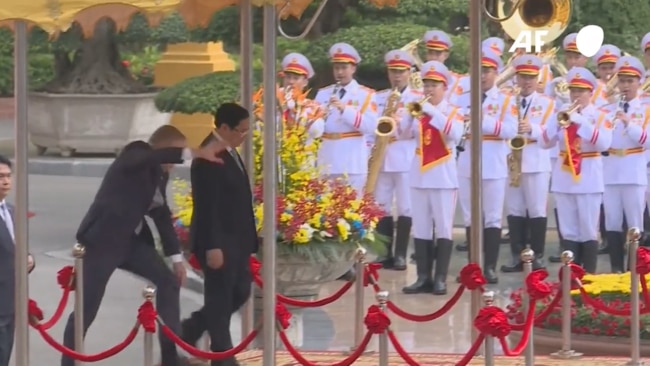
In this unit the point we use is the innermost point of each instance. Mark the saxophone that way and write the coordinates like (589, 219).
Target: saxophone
(516, 145)
(386, 125)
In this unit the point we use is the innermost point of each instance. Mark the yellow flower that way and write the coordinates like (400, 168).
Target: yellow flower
(304, 234)
(315, 221)
(344, 229)
(285, 217)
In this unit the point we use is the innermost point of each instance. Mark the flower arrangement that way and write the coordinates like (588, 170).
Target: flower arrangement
(612, 289)
(315, 216)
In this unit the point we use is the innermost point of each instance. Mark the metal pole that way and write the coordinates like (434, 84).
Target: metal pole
(527, 257)
(476, 235)
(359, 291)
(149, 293)
(21, 183)
(488, 300)
(634, 235)
(566, 352)
(269, 186)
(382, 299)
(78, 252)
(246, 85)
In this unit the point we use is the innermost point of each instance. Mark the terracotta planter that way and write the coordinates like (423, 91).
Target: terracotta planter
(549, 341)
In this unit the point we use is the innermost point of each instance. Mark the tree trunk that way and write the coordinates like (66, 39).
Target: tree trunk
(96, 67)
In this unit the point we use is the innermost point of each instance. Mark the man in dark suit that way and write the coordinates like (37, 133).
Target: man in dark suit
(222, 233)
(116, 235)
(7, 265)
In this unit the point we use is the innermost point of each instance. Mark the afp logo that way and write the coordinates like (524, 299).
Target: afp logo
(589, 40)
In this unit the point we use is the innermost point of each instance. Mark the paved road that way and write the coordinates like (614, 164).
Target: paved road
(59, 203)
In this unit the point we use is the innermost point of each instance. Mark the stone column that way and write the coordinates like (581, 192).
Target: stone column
(185, 60)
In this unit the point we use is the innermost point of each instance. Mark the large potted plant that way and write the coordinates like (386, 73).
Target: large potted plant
(97, 100)
(321, 223)
(594, 332)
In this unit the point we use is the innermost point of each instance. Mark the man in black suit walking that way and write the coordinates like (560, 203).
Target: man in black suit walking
(116, 235)
(7, 265)
(222, 232)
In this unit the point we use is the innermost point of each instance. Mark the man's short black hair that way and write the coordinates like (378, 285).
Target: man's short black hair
(230, 114)
(5, 161)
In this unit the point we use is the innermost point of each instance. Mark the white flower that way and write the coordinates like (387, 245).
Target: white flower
(325, 234)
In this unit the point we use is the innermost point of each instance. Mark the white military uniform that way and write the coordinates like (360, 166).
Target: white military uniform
(499, 124)
(434, 183)
(343, 153)
(577, 178)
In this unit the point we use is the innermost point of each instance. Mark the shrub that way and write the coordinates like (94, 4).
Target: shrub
(201, 94)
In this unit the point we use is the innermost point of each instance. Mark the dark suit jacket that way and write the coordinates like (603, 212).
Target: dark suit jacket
(125, 197)
(223, 209)
(7, 268)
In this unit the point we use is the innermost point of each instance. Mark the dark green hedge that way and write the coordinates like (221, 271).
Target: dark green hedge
(202, 94)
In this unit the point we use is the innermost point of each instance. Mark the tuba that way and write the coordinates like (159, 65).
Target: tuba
(386, 125)
(516, 145)
(552, 16)
(415, 81)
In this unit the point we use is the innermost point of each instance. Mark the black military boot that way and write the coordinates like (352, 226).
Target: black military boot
(402, 236)
(616, 244)
(604, 243)
(386, 227)
(589, 256)
(556, 258)
(537, 227)
(517, 228)
(424, 257)
(443, 258)
(464, 247)
(491, 243)
(433, 237)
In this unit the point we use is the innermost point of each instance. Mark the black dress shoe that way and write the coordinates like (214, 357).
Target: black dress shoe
(513, 268)
(190, 332)
(462, 247)
(490, 276)
(555, 259)
(399, 264)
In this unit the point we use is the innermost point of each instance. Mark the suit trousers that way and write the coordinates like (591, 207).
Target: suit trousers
(225, 291)
(433, 207)
(494, 192)
(623, 200)
(579, 215)
(141, 259)
(7, 323)
(394, 187)
(356, 181)
(531, 197)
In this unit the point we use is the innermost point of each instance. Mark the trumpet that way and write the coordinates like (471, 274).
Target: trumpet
(645, 87)
(564, 117)
(467, 124)
(415, 108)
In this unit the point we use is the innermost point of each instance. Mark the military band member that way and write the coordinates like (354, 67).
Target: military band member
(296, 72)
(434, 179)
(624, 167)
(577, 177)
(350, 116)
(526, 203)
(572, 58)
(499, 124)
(438, 45)
(392, 182)
(645, 50)
(605, 60)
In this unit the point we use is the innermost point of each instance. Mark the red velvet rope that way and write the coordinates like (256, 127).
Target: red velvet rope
(144, 313)
(206, 355)
(539, 318)
(256, 266)
(376, 322)
(412, 362)
(65, 279)
(471, 277)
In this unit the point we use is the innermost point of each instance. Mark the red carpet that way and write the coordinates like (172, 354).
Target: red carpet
(254, 358)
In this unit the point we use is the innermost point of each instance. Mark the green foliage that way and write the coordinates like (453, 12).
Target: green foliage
(201, 94)
(372, 42)
(142, 64)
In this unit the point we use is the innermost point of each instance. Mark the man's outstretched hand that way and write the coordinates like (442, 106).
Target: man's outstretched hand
(211, 151)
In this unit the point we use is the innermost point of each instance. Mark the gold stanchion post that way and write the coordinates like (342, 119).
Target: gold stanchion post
(382, 299)
(149, 293)
(566, 352)
(527, 257)
(78, 252)
(633, 238)
(488, 300)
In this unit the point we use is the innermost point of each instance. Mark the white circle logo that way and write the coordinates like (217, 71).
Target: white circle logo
(589, 40)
